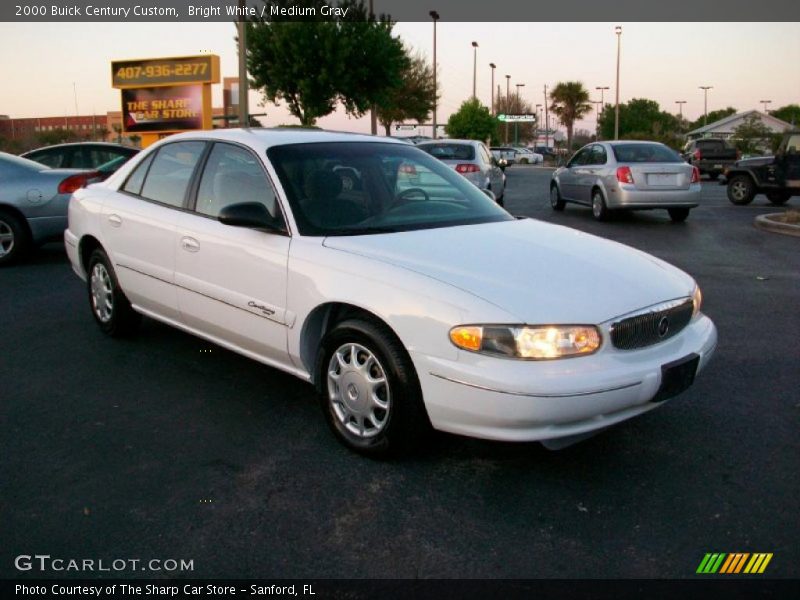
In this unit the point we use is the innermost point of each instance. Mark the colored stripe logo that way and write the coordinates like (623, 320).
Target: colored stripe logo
(733, 563)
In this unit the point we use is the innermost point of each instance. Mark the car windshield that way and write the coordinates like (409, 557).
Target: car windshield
(449, 151)
(645, 153)
(355, 188)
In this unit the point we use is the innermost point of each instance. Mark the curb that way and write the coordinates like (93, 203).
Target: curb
(767, 224)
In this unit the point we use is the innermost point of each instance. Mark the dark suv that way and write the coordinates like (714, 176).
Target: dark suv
(776, 176)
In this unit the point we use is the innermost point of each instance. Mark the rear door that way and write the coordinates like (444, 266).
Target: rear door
(231, 281)
(791, 157)
(139, 225)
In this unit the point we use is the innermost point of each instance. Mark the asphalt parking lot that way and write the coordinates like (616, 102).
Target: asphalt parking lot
(164, 446)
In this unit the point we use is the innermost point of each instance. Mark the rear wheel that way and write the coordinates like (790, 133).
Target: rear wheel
(741, 190)
(14, 238)
(599, 207)
(778, 198)
(556, 201)
(369, 390)
(678, 215)
(111, 309)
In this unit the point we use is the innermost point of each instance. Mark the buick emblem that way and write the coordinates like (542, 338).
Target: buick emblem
(663, 327)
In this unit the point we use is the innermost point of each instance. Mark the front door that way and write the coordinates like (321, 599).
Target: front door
(231, 281)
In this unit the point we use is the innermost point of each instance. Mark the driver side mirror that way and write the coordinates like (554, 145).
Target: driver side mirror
(250, 214)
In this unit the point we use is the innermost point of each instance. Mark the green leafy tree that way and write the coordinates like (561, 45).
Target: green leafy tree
(789, 113)
(472, 121)
(314, 64)
(752, 136)
(714, 115)
(414, 99)
(569, 100)
(642, 119)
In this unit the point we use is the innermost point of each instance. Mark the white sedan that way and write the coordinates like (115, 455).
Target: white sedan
(409, 298)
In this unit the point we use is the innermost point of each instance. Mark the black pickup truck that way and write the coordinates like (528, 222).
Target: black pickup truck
(776, 176)
(711, 156)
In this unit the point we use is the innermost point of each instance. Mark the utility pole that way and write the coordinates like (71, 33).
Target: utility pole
(597, 110)
(373, 113)
(519, 109)
(435, 16)
(680, 104)
(546, 121)
(474, 70)
(618, 31)
(705, 89)
(493, 66)
(508, 104)
(244, 109)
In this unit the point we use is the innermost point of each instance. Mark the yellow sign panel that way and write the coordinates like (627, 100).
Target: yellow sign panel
(153, 72)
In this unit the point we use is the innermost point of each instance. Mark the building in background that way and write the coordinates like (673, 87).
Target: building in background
(724, 128)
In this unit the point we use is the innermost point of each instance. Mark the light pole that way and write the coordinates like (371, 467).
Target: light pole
(602, 89)
(519, 109)
(705, 89)
(373, 113)
(546, 121)
(680, 104)
(244, 109)
(493, 66)
(764, 102)
(474, 69)
(538, 123)
(435, 16)
(508, 106)
(618, 31)
(597, 105)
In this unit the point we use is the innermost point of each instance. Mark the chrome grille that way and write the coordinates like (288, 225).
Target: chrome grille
(651, 327)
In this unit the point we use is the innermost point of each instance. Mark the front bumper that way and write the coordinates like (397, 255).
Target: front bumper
(512, 400)
(627, 196)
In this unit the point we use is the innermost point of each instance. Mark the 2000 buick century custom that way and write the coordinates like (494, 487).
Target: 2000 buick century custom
(406, 295)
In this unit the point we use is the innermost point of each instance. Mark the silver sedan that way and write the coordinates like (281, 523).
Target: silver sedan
(33, 203)
(473, 160)
(628, 175)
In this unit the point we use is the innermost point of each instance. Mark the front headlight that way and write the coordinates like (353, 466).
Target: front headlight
(697, 300)
(531, 342)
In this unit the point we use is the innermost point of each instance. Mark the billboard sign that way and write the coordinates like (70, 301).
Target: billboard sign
(175, 108)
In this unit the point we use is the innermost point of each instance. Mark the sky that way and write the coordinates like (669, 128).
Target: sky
(46, 65)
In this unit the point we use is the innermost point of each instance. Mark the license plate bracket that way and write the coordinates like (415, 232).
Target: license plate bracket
(677, 377)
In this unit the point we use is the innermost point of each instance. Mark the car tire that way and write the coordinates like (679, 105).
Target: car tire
(380, 419)
(741, 190)
(678, 215)
(15, 238)
(599, 208)
(778, 198)
(523, 161)
(110, 307)
(556, 201)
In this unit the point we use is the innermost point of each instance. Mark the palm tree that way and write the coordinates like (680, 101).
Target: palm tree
(570, 102)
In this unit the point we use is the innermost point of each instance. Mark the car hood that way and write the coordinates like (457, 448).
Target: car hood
(755, 161)
(538, 272)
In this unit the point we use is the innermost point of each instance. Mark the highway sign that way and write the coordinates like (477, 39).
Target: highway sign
(526, 118)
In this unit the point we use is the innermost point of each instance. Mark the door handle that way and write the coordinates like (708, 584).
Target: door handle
(115, 220)
(190, 244)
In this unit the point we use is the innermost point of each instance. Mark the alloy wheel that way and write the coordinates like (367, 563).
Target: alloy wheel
(102, 293)
(6, 238)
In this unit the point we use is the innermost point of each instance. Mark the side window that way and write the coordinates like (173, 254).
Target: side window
(580, 158)
(171, 172)
(50, 158)
(793, 145)
(599, 156)
(233, 175)
(135, 180)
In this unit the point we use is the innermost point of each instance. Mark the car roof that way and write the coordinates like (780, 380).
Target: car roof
(618, 142)
(69, 144)
(266, 137)
(449, 141)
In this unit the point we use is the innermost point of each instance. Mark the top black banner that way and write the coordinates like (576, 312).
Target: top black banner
(402, 10)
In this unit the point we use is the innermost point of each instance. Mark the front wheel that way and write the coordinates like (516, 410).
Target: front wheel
(369, 391)
(14, 238)
(678, 215)
(741, 190)
(110, 307)
(599, 208)
(556, 201)
(778, 198)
